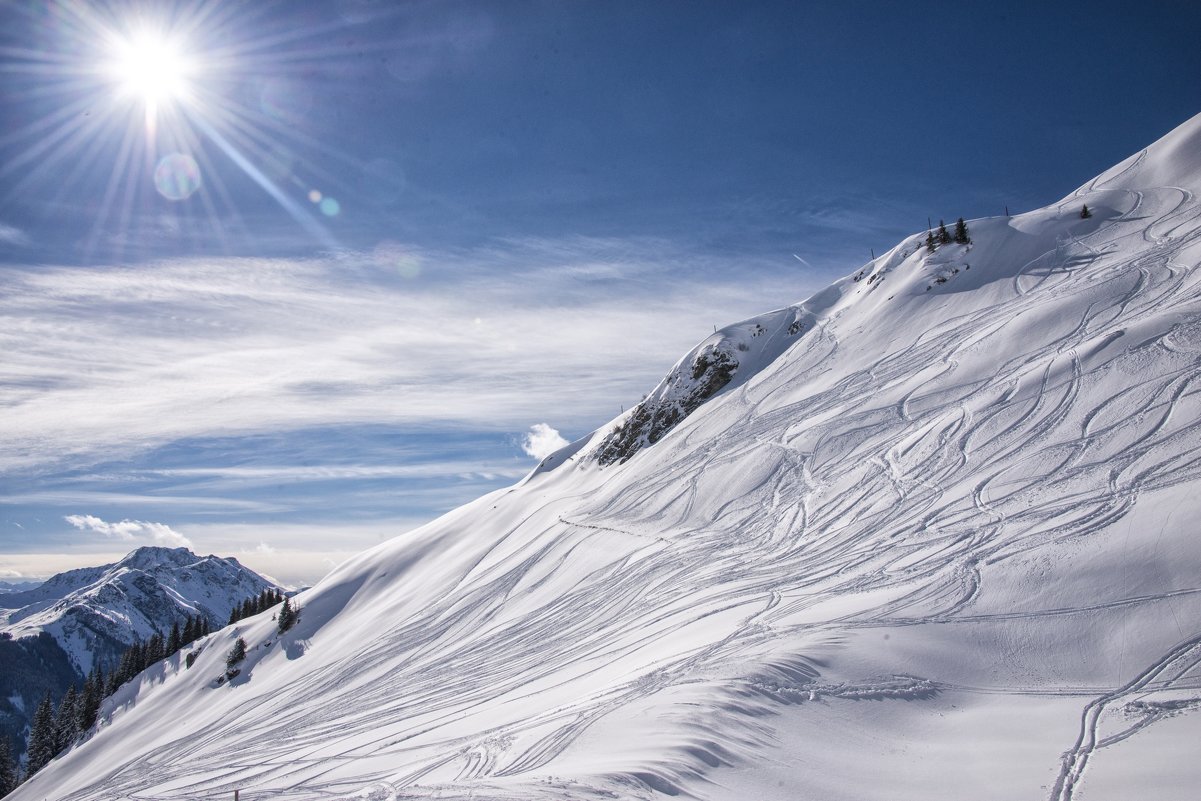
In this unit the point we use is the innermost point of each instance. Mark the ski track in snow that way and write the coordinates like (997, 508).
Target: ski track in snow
(893, 483)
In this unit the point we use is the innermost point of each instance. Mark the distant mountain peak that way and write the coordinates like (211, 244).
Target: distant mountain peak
(99, 611)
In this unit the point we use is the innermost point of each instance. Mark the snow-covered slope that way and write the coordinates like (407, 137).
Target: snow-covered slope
(97, 612)
(16, 586)
(931, 537)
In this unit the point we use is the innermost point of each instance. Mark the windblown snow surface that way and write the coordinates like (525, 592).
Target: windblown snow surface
(938, 541)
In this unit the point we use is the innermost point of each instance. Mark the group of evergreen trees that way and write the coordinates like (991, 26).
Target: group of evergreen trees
(48, 728)
(252, 606)
(9, 778)
(287, 618)
(945, 237)
(52, 731)
(142, 655)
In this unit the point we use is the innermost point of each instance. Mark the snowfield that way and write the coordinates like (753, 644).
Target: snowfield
(934, 537)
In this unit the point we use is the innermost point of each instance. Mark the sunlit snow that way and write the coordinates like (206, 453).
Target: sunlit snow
(933, 539)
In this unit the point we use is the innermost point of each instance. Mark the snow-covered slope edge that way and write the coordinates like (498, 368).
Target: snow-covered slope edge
(937, 545)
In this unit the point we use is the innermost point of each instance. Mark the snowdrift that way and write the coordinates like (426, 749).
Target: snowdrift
(927, 535)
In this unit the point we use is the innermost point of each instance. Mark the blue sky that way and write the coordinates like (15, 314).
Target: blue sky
(387, 239)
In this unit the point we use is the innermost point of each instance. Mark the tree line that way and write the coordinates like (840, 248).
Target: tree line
(945, 237)
(53, 731)
(252, 606)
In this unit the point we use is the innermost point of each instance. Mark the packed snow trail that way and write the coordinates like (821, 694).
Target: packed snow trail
(948, 499)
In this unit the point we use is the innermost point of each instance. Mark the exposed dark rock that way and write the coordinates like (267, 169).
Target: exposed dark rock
(652, 418)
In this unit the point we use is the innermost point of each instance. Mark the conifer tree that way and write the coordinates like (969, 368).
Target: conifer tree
(930, 241)
(944, 236)
(961, 236)
(141, 651)
(1085, 213)
(8, 768)
(287, 616)
(188, 635)
(174, 639)
(66, 722)
(89, 702)
(41, 737)
(156, 649)
(236, 654)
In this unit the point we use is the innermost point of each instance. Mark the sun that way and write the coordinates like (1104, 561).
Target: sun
(150, 67)
(141, 107)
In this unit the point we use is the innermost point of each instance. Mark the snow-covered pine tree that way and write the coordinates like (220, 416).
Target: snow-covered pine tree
(961, 236)
(41, 737)
(930, 241)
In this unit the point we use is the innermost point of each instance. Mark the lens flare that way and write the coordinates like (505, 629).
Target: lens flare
(396, 256)
(177, 176)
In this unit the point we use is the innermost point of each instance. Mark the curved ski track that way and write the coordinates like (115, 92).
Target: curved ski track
(897, 482)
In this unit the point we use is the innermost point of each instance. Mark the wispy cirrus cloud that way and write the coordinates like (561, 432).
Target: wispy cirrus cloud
(342, 398)
(116, 360)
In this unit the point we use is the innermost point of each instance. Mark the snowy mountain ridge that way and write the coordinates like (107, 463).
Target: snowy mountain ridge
(927, 535)
(97, 612)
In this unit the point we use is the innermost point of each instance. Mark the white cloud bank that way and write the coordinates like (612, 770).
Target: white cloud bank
(542, 441)
(117, 360)
(131, 531)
